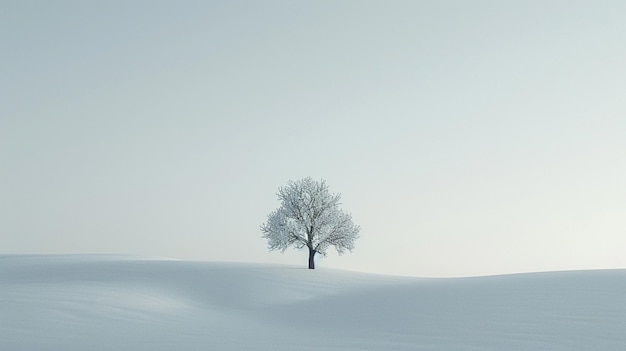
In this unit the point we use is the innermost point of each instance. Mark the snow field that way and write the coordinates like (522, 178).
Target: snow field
(97, 302)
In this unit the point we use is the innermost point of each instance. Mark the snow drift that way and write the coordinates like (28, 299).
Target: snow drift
(124, 303)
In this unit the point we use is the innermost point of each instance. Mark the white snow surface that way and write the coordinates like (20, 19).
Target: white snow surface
(96, 302)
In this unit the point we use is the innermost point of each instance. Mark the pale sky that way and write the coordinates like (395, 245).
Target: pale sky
(466, 137)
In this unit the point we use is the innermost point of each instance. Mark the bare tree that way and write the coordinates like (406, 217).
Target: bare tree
(309, 216)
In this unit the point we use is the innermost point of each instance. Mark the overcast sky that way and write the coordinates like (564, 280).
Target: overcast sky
(466, 137)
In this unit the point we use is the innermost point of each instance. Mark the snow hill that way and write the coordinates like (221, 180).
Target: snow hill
(125, 303)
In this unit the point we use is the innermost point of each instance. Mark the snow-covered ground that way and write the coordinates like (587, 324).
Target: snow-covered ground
(129, 303)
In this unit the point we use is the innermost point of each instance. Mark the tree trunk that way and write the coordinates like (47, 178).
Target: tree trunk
(312, 253)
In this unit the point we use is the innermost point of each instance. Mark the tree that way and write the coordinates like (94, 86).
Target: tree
(309, 216)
